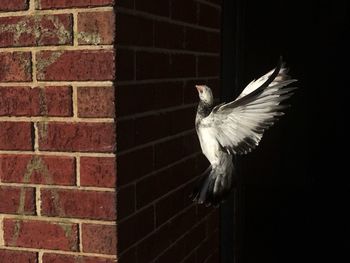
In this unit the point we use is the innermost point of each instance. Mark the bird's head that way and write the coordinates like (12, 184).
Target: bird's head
(205, 94)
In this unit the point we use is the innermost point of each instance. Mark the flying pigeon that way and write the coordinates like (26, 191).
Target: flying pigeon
(236, 128)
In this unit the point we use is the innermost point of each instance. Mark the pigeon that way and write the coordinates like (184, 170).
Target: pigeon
(236, 128)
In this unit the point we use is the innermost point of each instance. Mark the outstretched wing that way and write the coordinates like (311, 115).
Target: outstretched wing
(239, 125)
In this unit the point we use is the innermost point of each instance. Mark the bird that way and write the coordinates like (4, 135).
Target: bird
(236, 128)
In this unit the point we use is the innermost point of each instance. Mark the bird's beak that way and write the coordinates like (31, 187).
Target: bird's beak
(199, 88)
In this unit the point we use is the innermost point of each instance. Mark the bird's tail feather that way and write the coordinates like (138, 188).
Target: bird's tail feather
(212, 187)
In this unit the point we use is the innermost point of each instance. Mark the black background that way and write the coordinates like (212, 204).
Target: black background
(293, 192)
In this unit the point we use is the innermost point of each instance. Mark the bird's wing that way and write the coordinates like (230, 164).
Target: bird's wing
(239, 125)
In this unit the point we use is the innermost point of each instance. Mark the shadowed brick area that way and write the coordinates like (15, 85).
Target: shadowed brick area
(177, 46)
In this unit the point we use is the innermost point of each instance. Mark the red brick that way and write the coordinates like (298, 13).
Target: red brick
(36, 31)
(134, 165)
(100, 239)
(16, 66)
(163, 182)
(41, 234)
(128, 25)
(25, 101)
(126, 201)
(11, 256)
(84, 137)
(78, 204)
(135, 228)
(96, 28)
(37, 169)
(158, 7)
(56, 101)
(59, 258)
(19, 200)
(98, 171)
(78, 65)
(208, 66)
(50, 4)
(169, 35)
(125, 64)
(16, 136)
(209, 16)
(184, 10)
(14, 5)
(96, 102)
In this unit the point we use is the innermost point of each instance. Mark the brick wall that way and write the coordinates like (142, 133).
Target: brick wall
(57, 134)
(164, 48)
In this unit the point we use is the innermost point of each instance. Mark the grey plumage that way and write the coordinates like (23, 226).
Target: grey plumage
(236, 128)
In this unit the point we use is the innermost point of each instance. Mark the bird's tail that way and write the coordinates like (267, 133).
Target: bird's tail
(213, 186)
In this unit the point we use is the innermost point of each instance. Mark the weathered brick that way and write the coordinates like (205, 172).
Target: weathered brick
(25, 101)
(13, 256)
(78, 204)
(41, 234)
(209, 16)
(51, 4)
(14, 5)
(16, 136)
(96, 28)
(158, 7)
(79, 65)
(128, 25)
(96, 102)
(36, 31)
(16, 66)
(59, 258)
(85, 137)
(100, 239)
(98, 171)
(19, 200)
(127, 169)
(135, 228)
(37, 169)
(208, 66)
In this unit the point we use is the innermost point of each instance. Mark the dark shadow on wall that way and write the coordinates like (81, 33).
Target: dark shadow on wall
(293, 191)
